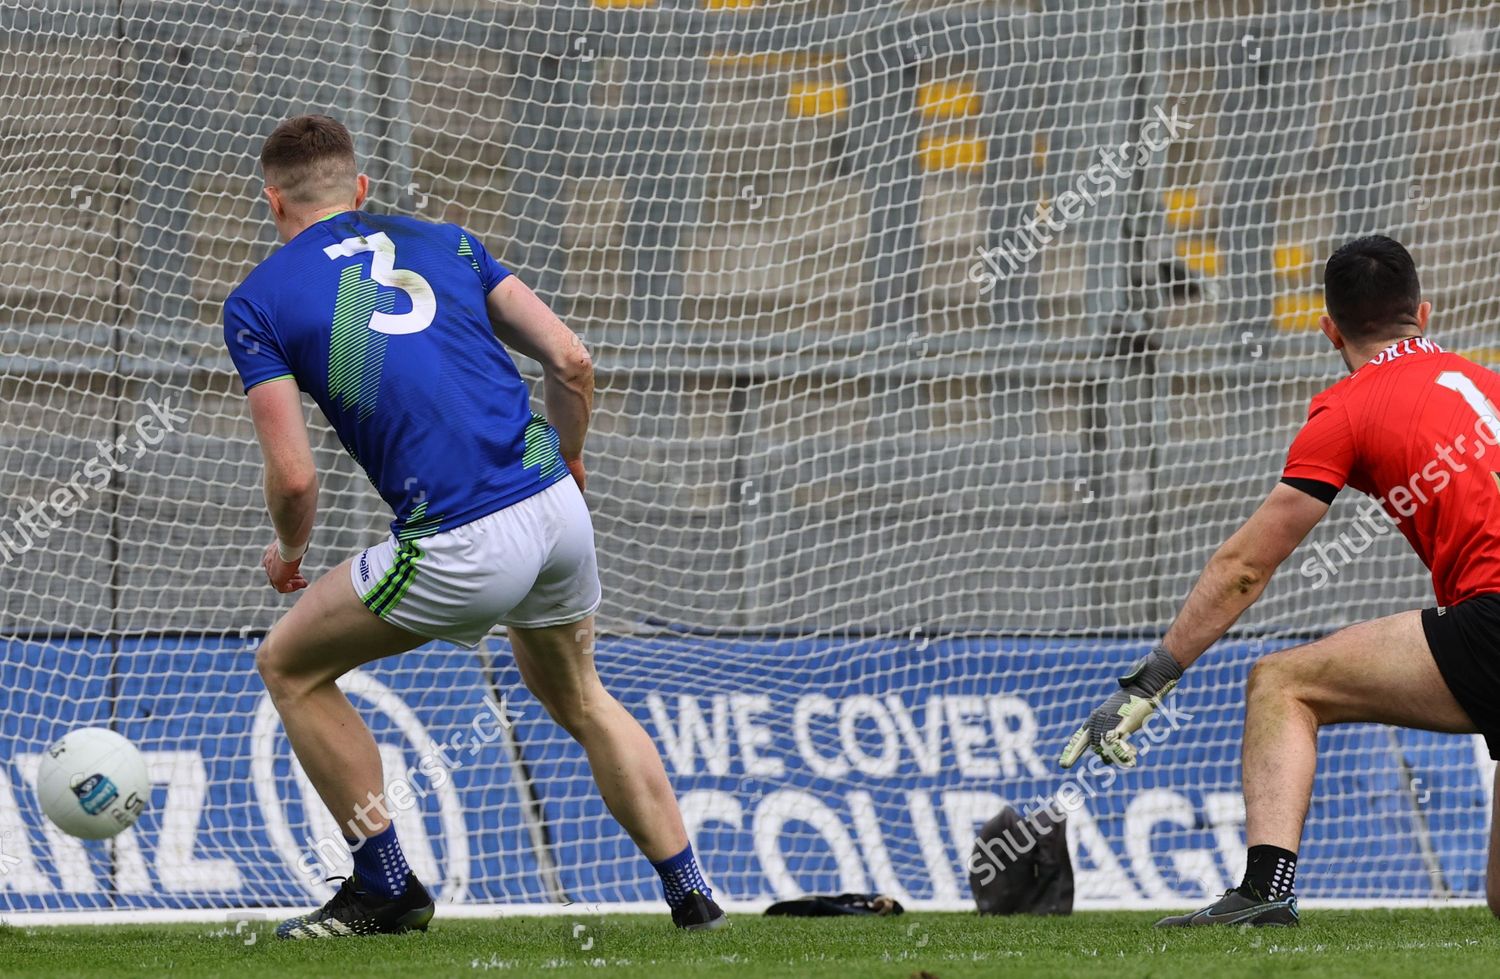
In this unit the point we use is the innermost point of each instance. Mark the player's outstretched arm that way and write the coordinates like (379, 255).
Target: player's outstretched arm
(1239, 571)
(291, 484)
(1235, 577)
(523, 322)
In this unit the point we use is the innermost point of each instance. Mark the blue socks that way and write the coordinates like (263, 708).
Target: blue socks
(680, 877)
(380, 865)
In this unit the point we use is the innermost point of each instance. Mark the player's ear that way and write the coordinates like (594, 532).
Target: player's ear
(361, 190)
(273, 198)
(1424, 313)
(1331, 331)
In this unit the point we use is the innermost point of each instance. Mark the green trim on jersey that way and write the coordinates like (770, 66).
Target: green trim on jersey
(356, 354)
(467, 250)
(393, 585)
(543, 450)
(419, 524)
(278, 377)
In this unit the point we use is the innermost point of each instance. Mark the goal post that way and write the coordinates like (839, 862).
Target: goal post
(938, 345)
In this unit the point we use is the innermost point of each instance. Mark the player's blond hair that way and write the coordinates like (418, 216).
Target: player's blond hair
(310, 160)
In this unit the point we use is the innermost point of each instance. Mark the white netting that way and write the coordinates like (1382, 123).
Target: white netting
(838, 452)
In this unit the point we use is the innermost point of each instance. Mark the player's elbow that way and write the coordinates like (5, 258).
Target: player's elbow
(291, 486)
(1242, 575)
(573, 366)
(1247, 579)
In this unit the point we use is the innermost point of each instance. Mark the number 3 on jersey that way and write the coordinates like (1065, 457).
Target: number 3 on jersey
(383, 270)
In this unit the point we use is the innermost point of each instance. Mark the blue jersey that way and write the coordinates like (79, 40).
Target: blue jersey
(383, 321)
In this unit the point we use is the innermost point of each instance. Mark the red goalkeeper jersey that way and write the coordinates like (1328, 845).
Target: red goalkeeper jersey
(1417, 429)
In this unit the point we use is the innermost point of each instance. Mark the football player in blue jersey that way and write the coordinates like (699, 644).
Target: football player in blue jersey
(394, 326)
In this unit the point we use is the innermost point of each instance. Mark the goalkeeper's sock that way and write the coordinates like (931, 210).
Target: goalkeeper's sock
(1270, 873)
(680, 877)
(379, 864)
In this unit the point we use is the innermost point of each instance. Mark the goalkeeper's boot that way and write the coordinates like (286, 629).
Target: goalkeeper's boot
(1237, 907)
(699, 913)
(355, 911)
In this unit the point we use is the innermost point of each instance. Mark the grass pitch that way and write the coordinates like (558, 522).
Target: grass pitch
(1460, 942)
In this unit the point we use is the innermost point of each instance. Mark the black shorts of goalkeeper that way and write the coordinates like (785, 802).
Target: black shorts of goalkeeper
(1465, 642)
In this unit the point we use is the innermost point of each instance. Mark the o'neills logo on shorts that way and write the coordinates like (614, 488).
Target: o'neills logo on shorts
(364, 567)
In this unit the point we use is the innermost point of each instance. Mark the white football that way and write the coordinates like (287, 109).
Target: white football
(93, 783)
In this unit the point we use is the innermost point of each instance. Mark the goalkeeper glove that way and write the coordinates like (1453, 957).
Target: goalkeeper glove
(1107, 728)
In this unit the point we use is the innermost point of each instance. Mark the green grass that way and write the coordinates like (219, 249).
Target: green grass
(1461, 942)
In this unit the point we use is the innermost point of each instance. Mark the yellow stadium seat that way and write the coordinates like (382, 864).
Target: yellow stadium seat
(1199, 254)
(1297, 311)
(948, 100)
(812, 99)
(952, 153)
(1183, 211)
(1292, 261)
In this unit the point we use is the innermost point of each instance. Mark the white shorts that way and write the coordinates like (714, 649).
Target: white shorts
(530, 565)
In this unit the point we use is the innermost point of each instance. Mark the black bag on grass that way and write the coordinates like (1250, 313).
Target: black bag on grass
(1022, 866)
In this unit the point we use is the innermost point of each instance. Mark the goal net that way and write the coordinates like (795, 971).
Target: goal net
(938, 345)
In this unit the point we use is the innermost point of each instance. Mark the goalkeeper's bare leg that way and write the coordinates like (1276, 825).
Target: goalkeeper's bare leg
(1380, 671)
(557, 664)
(1492, 869)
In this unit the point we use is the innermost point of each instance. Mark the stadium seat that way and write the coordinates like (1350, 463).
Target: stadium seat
(808, 100)
(1182, 210)
(1200, 254)
(1293, 262)
(952, 153)
(1295, 311)
(948, 100)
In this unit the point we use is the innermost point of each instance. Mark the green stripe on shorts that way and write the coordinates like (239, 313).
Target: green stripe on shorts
(393, 585)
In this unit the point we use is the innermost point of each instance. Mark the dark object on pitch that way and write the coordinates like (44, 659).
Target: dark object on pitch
(829, 906)
(1022, 866)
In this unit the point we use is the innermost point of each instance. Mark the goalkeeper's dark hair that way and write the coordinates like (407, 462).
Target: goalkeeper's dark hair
(1371, 289)
(310, 159)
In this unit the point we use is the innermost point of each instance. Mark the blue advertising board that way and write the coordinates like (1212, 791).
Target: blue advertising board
(802, 765)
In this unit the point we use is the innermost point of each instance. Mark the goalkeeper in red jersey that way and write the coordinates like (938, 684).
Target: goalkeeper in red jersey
(1417, 429)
